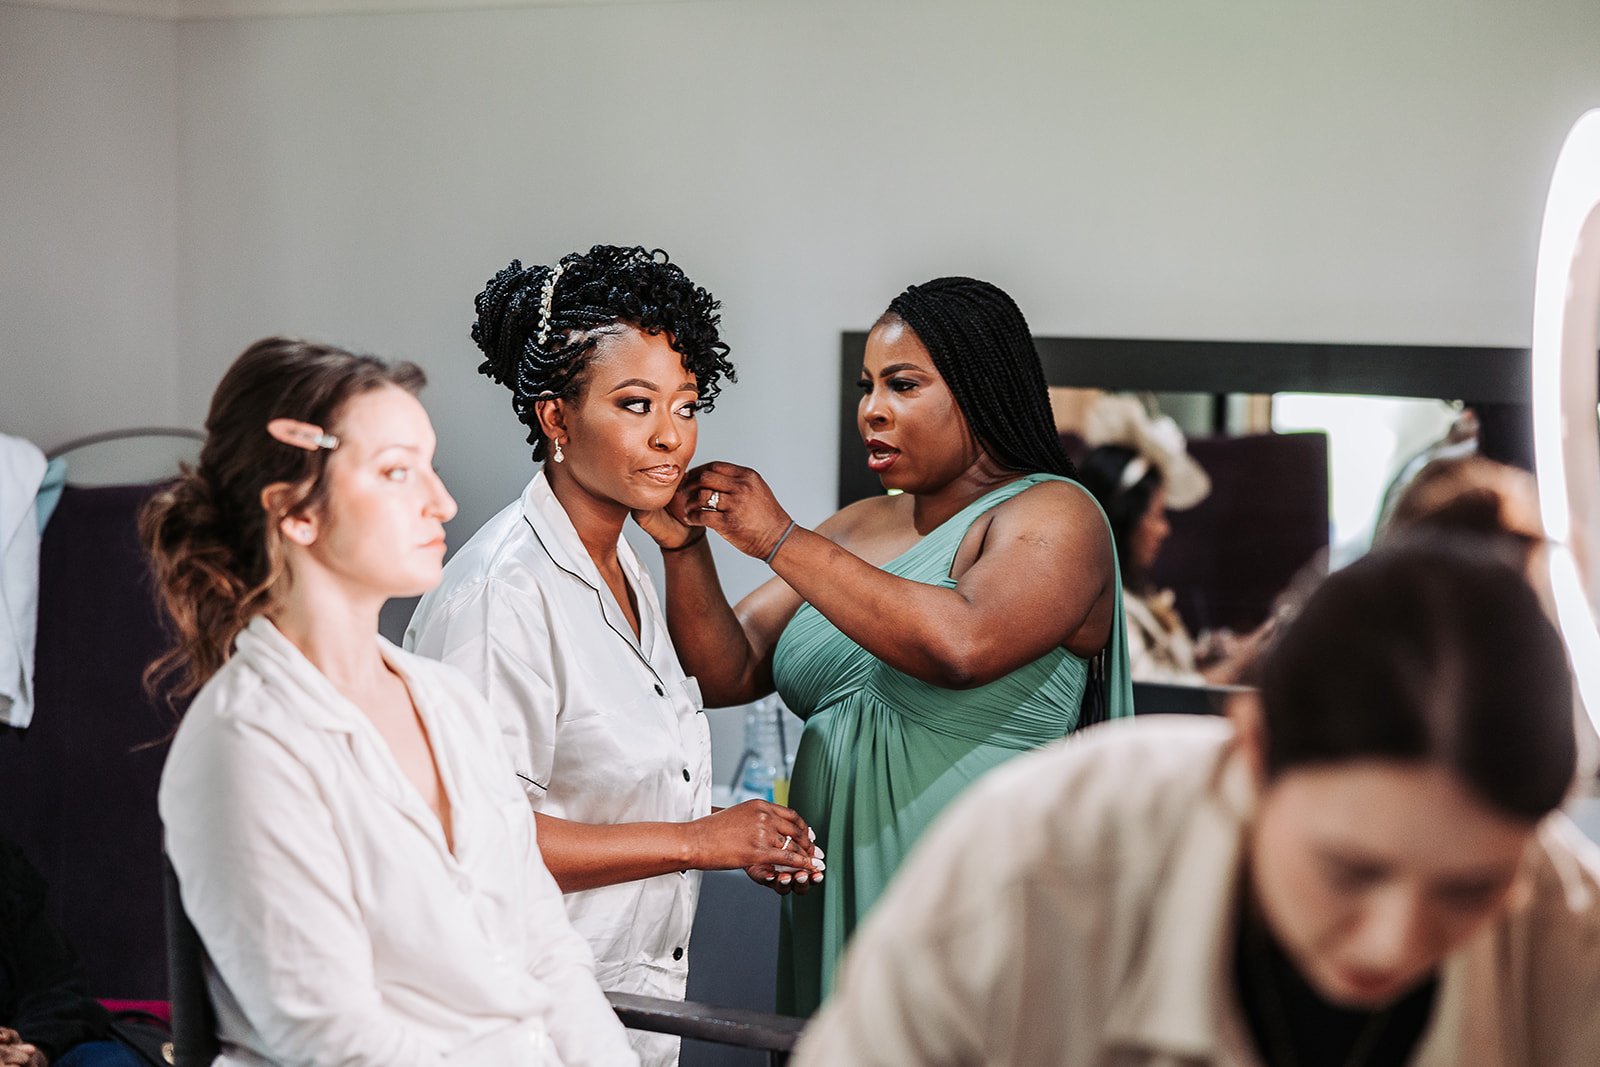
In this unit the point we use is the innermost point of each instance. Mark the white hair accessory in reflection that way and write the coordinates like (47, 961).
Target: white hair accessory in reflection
(1133, 473)
(1121, 419)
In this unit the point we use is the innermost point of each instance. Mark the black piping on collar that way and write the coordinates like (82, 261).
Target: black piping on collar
(601, 603)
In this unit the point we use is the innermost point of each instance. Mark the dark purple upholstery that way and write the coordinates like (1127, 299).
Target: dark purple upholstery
(1231, 555)
(80, 785)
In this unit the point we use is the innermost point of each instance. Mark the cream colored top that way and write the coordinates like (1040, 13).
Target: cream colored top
(338, 925)
(1076, 907)
(1159, 647)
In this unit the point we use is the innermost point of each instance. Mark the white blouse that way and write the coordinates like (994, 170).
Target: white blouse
(1159, 647)
(338, 926)
(603, 726)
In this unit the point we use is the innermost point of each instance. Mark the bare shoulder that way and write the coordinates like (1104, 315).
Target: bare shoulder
(866, 518)
(1052, 511)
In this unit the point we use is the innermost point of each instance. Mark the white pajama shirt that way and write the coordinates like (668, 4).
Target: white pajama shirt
(603, 726)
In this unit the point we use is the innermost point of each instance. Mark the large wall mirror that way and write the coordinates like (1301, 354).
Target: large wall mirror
(1304, 444)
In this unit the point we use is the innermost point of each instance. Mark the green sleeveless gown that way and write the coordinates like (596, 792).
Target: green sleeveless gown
(883, 753)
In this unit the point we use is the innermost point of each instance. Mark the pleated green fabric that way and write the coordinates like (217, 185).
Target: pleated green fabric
(883, 753)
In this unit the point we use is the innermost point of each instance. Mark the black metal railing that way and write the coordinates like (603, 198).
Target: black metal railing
(773, 1034)
(194, 1021)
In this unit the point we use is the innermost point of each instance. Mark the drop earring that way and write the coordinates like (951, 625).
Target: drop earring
(559, 457)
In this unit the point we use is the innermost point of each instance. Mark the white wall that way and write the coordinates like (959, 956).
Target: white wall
(88, 223)
(1252, 169)
(1255, 169)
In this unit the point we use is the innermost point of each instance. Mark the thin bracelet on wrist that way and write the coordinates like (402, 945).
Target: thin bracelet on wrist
(774, 553)
(687, 544)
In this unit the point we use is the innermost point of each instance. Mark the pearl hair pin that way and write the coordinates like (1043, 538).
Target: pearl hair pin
(546, 302)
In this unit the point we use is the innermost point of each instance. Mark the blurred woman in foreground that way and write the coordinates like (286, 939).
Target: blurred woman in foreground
(1362, 866)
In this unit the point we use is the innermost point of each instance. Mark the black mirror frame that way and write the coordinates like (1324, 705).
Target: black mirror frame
(1495, 381)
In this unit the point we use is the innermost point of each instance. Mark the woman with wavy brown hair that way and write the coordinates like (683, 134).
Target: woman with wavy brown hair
(345, 827)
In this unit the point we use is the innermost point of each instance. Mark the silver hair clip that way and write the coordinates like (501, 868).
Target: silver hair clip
(546, 300)
(306, 435)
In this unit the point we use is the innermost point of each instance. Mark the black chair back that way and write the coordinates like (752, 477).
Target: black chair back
(81, 781)
(194, 1022)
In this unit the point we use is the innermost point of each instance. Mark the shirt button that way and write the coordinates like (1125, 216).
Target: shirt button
(677, 953)
(686, 775)
(660, 692)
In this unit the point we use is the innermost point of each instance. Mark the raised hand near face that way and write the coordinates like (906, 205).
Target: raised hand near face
(736, 502)
(665, 529)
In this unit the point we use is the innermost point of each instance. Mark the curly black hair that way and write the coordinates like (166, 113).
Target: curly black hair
(541, 353)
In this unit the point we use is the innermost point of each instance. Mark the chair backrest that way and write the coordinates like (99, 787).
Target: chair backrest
(194, 1021)
(81, 780)
(130, 456)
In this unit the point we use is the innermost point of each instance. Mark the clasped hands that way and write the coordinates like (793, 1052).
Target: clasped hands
(15, 1052)
(771, 843)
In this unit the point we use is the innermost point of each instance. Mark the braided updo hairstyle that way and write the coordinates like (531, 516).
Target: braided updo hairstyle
(537, 326)
(981, 346)
(215, 550)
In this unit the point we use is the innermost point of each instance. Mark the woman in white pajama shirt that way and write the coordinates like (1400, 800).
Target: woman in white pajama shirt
(341, 816)
(609, 355)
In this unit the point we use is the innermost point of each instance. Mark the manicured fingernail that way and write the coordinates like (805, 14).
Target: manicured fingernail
(802, 878)
(812, 832)
(817, 852)
(819, 866)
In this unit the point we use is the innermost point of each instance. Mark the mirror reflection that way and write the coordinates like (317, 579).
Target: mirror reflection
(1225, 508)
(1237, 474)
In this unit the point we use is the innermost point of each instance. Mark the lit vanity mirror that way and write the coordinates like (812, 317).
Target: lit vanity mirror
(1566, 314)
(1303, 443)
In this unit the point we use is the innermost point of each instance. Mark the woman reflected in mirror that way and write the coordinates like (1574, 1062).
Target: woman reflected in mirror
(1139, 470)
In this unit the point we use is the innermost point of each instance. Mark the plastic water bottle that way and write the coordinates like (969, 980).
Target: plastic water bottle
(764, 770)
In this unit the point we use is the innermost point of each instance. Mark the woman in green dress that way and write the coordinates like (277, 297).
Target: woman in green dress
(925, 636)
